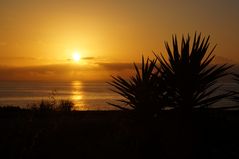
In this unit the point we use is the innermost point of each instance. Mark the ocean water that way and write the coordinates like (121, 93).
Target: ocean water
(85, 95)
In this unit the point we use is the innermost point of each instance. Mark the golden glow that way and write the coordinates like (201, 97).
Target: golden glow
(77, 95)
(76, 56)
(48, 35)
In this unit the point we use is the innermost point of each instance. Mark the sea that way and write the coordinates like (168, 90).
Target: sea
(84, 95)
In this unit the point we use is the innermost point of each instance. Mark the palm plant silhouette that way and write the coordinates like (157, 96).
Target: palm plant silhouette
(142, 92)
(188, 74)
(186, 81)
(235, 96)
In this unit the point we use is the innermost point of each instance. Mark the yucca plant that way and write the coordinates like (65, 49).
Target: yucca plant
(142, 92)
(189, 75)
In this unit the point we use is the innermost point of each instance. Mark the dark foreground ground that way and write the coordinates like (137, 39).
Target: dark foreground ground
(114, 134)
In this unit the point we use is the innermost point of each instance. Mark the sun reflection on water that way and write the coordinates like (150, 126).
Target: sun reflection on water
(77, 95)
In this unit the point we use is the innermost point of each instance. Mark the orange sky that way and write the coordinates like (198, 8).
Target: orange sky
(38, 37)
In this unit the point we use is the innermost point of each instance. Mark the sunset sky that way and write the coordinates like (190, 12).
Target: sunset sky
(38, 37)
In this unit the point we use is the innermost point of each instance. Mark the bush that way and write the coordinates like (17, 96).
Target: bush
(65, 106)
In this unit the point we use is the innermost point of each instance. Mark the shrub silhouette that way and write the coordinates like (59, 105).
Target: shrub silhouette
(46, 106)
(188, 74)
(65, 105)
(141, 92)
(49, 106)
(52, 104)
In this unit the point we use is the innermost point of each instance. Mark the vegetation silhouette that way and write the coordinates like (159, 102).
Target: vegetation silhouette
(49, 106)
(52, 129)
(53, 104)
(186, 81)
(66, 105)
(190, 77)
(235, 93)
(142, 92)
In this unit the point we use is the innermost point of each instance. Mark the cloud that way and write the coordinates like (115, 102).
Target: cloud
(83, 58)
(88, 58)
(17, 58)
(67, 71)
(116, 66)
(46, 72)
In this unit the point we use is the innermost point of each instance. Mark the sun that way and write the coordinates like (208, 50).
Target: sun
(76, 56)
